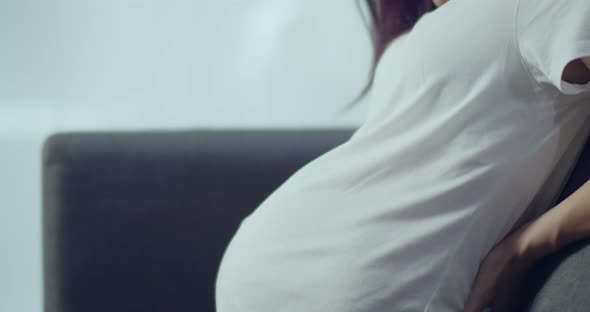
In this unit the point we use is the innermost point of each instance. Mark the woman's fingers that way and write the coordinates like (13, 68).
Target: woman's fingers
(479, 296)
(488, 279)
(474, 306)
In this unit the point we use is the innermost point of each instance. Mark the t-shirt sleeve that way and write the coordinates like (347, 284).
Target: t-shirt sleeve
(550, 34)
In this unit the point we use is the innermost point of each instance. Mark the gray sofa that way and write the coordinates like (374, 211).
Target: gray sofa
(138, 221)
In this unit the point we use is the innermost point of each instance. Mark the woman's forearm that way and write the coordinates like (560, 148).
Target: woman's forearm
(565, 223)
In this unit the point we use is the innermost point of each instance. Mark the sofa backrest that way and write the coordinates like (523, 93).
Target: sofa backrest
(139, 221)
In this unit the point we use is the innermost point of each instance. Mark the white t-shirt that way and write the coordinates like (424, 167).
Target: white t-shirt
(467, 122)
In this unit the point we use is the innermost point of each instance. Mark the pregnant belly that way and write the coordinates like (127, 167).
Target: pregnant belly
(356, 270)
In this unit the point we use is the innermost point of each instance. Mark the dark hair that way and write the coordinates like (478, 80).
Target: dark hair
(389, 19)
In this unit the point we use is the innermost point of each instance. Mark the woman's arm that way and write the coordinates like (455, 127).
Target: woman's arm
(567, 222)
(501, 272)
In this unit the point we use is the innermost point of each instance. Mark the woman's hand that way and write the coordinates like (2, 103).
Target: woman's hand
(499, 277)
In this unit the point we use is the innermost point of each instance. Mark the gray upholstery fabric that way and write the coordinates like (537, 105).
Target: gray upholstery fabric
(138, 221)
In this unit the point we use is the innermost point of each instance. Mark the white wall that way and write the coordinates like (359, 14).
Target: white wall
(131, 64)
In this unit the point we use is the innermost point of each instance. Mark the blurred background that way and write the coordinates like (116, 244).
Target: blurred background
(69, 65)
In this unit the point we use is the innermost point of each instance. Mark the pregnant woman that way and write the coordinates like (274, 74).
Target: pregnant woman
(471, 105)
